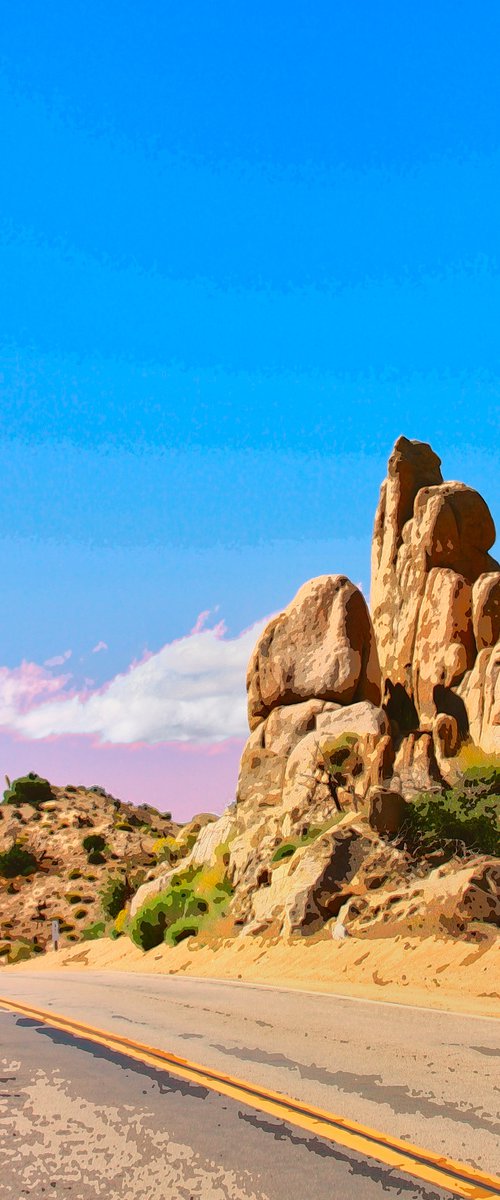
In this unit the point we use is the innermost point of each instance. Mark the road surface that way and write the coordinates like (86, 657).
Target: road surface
(82, 1120)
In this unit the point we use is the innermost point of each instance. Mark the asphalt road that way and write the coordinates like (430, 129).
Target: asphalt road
(81, 1120)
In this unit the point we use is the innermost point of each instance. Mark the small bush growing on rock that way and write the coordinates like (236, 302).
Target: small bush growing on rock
(93, 841)
(114, 895)
(94, 844)
(284, 851)
(28, 789)
(466, 817)
(196, 895)
(119, 924)
(166, 849)
(17, 861)
(150, 924)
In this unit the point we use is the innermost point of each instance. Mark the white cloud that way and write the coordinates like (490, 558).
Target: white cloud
(192, 690)
(58, 659)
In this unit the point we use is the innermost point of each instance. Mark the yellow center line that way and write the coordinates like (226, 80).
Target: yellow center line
(412, 1160)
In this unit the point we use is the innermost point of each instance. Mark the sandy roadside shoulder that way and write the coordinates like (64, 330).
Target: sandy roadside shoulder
(437, 973)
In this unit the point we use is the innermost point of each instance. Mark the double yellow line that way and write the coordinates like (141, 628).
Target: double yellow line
(436, 1169)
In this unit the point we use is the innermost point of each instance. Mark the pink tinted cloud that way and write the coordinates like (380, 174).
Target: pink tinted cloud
(58, 659)
(26, 686)
(163, 775)
(100, 646)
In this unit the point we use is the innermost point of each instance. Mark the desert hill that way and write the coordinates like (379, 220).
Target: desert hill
(77, 854)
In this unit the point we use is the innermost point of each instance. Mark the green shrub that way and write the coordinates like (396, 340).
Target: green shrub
(114, 895)
(195, 895)
(183, 928)
(17, 861)
(93, 841)
(28, 789)
(284, 851)
(93, 931)
(20, 950)
(466, 817)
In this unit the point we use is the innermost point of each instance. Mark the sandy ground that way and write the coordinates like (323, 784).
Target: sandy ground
(438, 973)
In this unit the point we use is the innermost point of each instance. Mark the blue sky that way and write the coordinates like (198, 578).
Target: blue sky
(242, 250)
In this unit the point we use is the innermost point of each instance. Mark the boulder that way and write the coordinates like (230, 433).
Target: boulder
(285, 726)
(302, 892)
(444, 903)
(480, 693)
(363, 719)
(322, 647)
(444, 640)
(486, 610)
(260, 778)
(216, 834)
(149, 890)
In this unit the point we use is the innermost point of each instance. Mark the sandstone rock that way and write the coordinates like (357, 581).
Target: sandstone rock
(377, 755)
(149, 890)
(303, 890)
(260, 779)
(480, 692)
(211, 837)
(486, 609)
(444, 641)
(415, 764)
(446, 736)
(387, 810)
(421, 524)
(285, 726)
(447, 739)
(444, 903)
(412, 465)
(322, 646)
(362, 719)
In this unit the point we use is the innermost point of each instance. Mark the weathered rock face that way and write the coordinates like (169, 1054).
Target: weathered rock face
(435, 589)
(303, 892)
(444, 638)
(486, 610)
(480, 693)
(321, 647)
(445, 902)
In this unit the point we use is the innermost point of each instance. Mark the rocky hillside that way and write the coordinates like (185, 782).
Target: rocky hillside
(369, 790)
(368, 799)
(77, 854)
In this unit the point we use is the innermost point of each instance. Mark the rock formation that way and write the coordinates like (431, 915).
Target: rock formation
(395, 698)
(429, 558)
